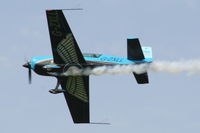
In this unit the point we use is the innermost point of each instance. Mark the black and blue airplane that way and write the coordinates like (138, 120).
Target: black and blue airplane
(66, 54)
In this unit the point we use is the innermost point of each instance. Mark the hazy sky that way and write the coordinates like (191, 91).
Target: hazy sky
(169, 104)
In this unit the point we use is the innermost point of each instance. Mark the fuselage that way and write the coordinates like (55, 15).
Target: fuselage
(44, 65)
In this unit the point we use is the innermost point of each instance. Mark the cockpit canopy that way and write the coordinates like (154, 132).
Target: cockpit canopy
(91, 55)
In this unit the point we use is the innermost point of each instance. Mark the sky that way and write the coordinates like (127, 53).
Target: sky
(169, 104)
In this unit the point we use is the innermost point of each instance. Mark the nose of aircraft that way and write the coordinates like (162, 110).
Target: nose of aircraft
(25, 65)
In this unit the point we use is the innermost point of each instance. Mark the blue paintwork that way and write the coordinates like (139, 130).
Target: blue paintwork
(147, 51)
(132, 38)
(117, 60)
(102, 58)
(36, 60)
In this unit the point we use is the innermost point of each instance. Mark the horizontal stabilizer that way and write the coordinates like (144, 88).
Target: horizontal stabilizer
(141, 78)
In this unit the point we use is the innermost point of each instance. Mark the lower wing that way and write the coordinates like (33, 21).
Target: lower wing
(77, 97)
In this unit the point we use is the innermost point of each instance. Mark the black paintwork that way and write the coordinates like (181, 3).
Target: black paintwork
(61, 35)
(79, 110)
(134, 49)
(58, 29)
(134, 52)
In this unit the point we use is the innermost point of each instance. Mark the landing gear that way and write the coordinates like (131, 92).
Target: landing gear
(56, 90)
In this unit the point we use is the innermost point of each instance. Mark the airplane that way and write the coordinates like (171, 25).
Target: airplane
(67, 54)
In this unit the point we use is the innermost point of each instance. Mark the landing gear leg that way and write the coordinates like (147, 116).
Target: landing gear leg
(56, 90)
(57, 85)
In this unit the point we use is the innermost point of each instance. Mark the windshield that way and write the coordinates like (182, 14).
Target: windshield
(91, 55)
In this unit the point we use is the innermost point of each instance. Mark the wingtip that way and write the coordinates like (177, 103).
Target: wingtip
(49, 10)
(132, 38)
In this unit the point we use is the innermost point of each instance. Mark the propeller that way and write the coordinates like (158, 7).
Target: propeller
(28, 65)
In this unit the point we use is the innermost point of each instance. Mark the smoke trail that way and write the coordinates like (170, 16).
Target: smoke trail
(190, 67)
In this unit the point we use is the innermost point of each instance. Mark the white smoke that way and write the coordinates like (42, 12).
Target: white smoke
(189, 66)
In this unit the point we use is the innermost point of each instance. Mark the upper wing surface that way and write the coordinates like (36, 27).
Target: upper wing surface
(64, 46)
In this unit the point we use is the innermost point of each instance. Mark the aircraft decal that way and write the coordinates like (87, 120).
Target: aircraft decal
(66, 49)
(75, 86)
(117, 60)
(112, 59)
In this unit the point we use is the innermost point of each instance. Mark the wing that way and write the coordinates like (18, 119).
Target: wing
(64, 46)
(77, 97)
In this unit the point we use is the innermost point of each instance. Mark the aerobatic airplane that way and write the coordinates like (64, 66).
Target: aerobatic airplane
(66, 54)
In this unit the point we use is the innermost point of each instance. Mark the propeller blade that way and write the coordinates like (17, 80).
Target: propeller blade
(28, 65)
(29, 75)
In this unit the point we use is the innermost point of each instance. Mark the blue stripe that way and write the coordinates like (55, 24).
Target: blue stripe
(35, 60)
(117, 60)
(132, 38)
(102, 58)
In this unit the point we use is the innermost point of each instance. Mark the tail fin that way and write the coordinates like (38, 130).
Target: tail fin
(135, 52)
